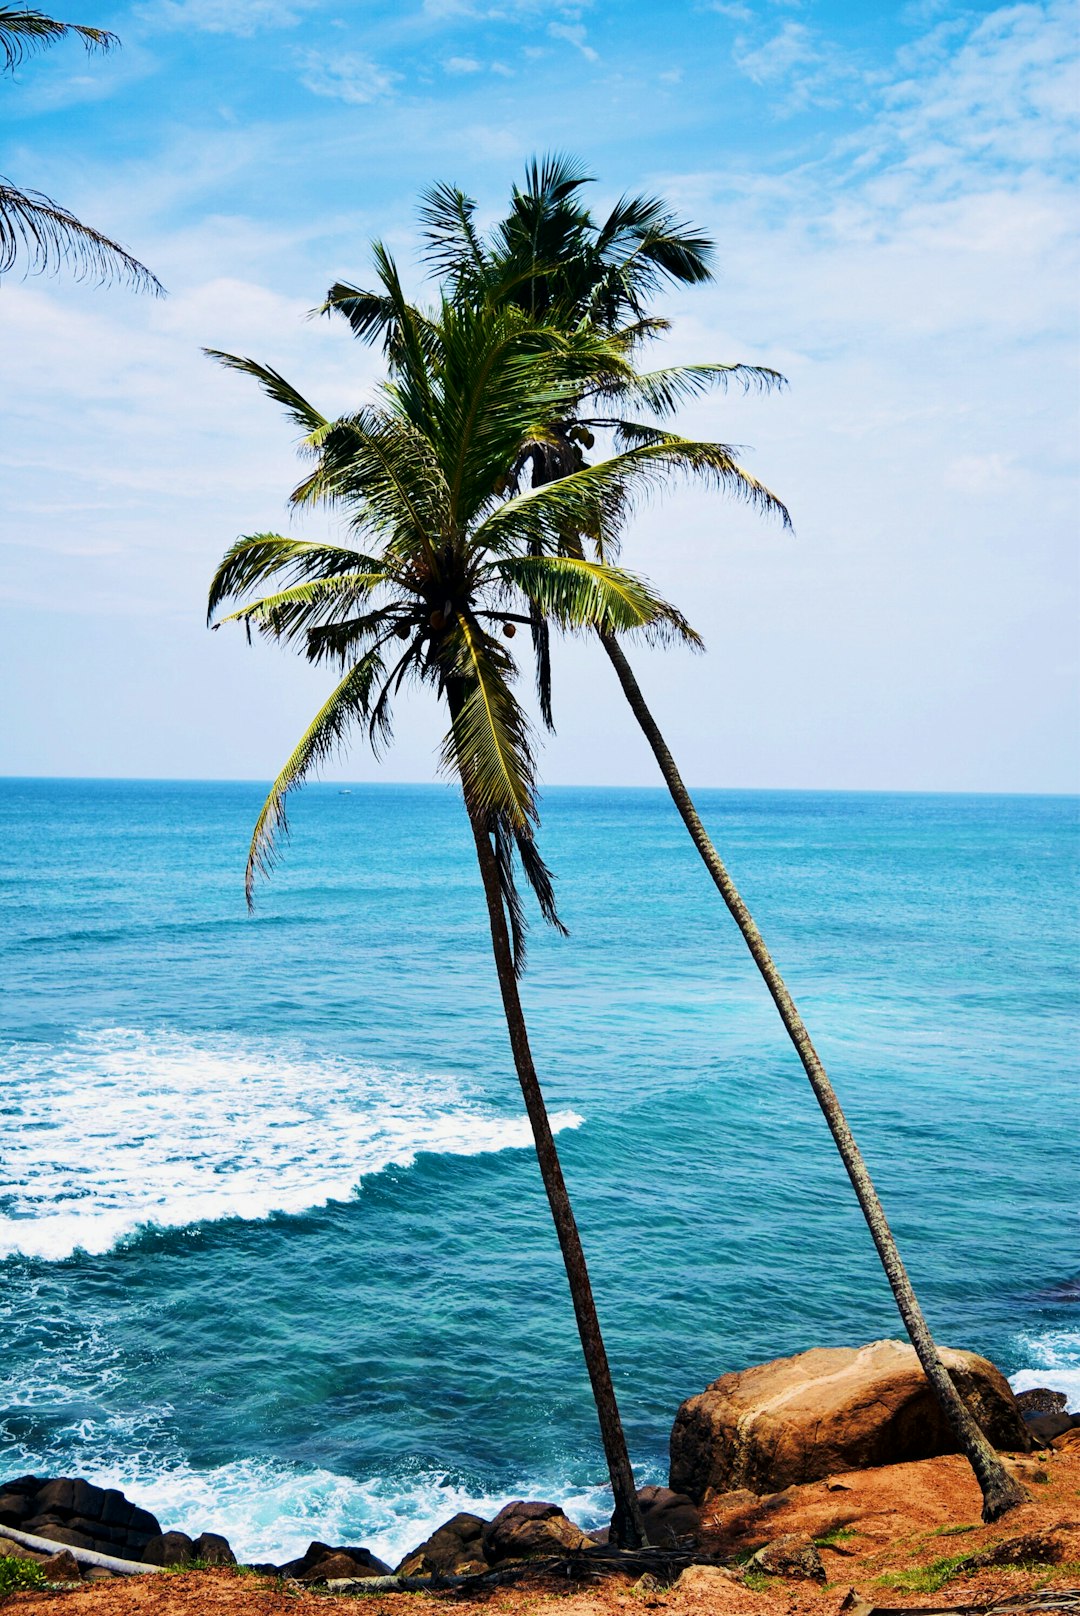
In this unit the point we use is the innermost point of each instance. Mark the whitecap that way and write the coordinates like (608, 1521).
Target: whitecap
(1054, 1362)
(125, 1130)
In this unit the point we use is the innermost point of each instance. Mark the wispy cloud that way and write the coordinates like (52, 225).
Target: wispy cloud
(462, 64)
(575, 35)
(347, 77)
(241, 17)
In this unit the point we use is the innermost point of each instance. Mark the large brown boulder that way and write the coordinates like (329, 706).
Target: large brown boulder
(833, 1408)
(455, 1548)
(522, 1530)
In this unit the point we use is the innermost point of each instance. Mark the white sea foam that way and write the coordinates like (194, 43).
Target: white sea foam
(1055, 1360)
(270, 1512)
(124, 1130)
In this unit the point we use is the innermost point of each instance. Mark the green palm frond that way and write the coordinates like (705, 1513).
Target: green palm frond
(662, 391)
(24, 32)
(595, 499)
(452, 242)
(288, 614)
(489, 744)
(577, 593)
(347, 705)
(276, 387)
(259, 556)
(34, 227)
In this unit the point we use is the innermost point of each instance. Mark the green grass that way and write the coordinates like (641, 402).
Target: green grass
(953, 1531)
(19, 1574)
(758, 1582)
(926, 1579)
(186, 1565)
(838, 1534)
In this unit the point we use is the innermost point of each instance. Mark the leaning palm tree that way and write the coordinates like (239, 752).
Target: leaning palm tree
(549, 254)
(32, 225)
(447, 554)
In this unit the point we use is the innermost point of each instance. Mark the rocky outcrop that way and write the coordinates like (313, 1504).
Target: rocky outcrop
(1041, 1400)
(831, 1409)
(69, 1510)
(790, 1556)
(322, 1561)
(455, 1549)
(668, 1518)
(524, 1530)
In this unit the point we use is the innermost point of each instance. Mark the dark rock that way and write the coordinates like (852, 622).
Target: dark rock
(345, 1563)
(792, 1556)
(314, 1552)
(14, 1507)
(168, 1548)
(455, 1548)
(142, 1524)
(87, 1500)
(1045, 1427)
(22, 1484)
(522, 1530)
(1044, 1548)
(1041, 1400)
(116, 1510)
(56, 1497)
(61, 1567)
(667, 1516)
(831, 1409)
(214, 1549)
(58, 1532)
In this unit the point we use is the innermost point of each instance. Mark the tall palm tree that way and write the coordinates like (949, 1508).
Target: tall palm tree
(448, 554)
(549, 254)
(32, 225)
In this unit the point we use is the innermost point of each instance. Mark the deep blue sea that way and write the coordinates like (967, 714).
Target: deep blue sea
(274, 1253)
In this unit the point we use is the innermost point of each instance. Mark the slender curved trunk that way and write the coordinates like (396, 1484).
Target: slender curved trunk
(626, 1528)
(1000, 1491)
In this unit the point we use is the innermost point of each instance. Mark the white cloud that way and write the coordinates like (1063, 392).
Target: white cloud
(242, 17)
(462, 64)
(574, 34)
(347, 77)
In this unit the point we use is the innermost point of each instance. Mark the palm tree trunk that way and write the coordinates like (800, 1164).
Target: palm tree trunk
(1000, 1491)
(626, 1527)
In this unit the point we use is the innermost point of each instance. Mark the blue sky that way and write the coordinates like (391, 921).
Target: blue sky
(891, 189)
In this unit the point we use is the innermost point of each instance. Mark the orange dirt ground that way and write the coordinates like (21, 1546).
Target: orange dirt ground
(901, 1517)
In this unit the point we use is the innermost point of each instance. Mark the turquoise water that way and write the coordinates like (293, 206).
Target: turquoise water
(275, 1255)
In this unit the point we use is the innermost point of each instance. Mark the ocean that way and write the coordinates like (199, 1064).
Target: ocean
(274, 1253)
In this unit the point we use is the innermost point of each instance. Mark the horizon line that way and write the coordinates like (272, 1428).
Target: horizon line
(447, 785)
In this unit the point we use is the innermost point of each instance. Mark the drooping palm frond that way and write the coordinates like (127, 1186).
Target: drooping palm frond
(596, 499)
(257, 557)
(24, 32)
(306, 416)
(292, 613)
(489, 744)
(663, 391)
(577, 593)
(48, 236)
(322, 739)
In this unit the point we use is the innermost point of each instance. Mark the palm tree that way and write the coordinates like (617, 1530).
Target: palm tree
(449, 554)
(32, 224)
(549, 254)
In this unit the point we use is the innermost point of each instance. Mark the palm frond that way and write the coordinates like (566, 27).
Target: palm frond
(289, 613)
(452, 242)
(322, 739)
(49, 236)
(595, 499)
(577, 593)
(508, 840)
(24, 32)
(662, 391)
(276, 387)
(489, 744)
(259, 556)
